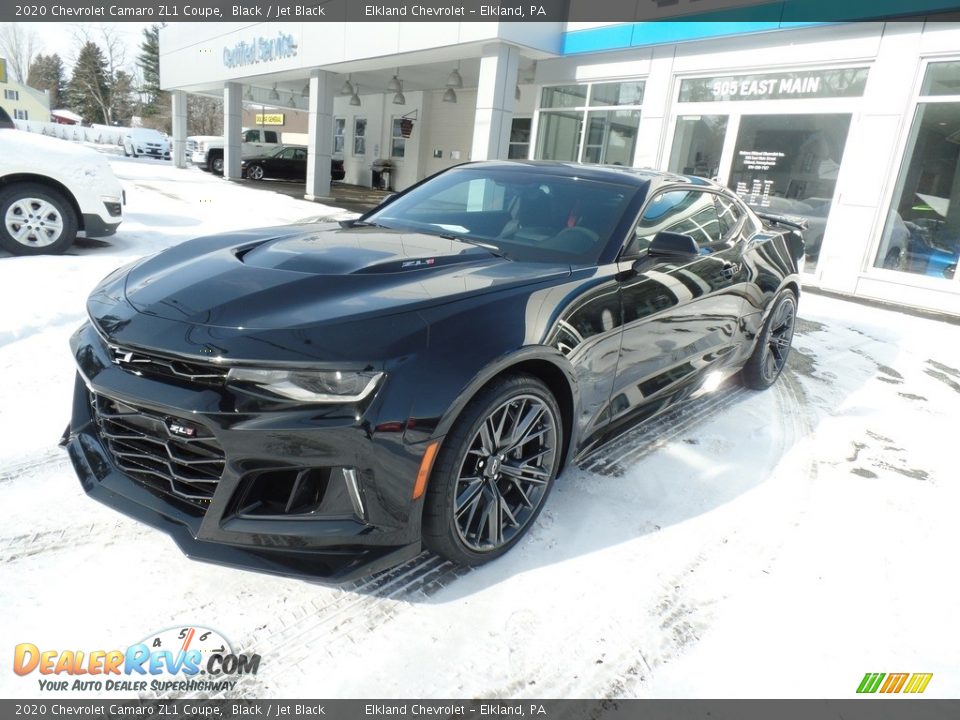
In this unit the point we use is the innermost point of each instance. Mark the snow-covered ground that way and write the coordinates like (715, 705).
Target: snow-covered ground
(776, 544)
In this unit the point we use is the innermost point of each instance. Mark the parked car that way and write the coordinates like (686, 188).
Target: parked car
(50, 190)
(146, 142)
(289, 162)
(323, 400)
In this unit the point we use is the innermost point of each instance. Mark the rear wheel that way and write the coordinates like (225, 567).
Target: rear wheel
(36, 220)
(494, 472)
(773, 345)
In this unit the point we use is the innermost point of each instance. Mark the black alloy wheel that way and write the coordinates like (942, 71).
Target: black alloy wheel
(773, 346)
(494, 471)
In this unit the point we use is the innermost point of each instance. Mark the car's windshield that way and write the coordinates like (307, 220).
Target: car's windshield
(526, 215)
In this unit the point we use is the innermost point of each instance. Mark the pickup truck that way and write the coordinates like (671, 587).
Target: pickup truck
(206, 151)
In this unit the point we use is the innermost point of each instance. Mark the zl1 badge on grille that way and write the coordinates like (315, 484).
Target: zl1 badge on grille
(181, 429)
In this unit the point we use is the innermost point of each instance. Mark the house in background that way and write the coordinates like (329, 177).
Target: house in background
(20, 101)
(65, 117)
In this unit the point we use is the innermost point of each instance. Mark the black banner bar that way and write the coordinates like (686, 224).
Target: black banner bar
(870, 708)
(470, 10)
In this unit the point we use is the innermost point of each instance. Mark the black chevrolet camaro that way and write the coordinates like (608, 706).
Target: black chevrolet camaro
(323, 400)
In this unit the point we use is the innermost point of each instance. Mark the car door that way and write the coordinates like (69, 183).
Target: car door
(680, 315)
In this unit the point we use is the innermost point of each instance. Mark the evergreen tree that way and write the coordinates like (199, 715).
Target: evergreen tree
(123, 105)
(47, 73)
(156, 102)
(88, 91)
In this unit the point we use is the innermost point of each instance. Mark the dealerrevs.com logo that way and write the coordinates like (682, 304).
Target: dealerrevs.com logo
(186, 659)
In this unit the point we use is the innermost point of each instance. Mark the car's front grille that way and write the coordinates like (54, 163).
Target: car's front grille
(172, 455)
(191, 372)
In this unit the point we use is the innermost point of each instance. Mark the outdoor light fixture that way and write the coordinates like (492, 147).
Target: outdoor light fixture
(293, 101)
(355, 99)
(274, 95)
(450, 95)
(399, 99)
(306, 90)
(516, 93)
(248, 95)
(454, 80)
(347, 87)
(395, 85)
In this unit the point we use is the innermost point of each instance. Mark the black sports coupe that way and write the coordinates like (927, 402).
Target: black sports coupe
(323, 400)
(286, 163)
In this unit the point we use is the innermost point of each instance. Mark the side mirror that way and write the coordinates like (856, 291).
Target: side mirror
(669, 245)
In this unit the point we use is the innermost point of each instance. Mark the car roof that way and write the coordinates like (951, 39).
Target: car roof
(609, 173)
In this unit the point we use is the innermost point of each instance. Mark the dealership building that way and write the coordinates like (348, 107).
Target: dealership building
(853, 126)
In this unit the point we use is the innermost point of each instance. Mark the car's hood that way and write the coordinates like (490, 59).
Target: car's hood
(298, 276)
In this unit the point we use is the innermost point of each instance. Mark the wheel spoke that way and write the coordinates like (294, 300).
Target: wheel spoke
(469, 494)
(532, 475)
(524, 427)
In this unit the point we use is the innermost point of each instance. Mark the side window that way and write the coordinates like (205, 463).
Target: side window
(691, 212)
(730, 214)
(251, 136)
(289, 154)
(299, 154)
(270, 136)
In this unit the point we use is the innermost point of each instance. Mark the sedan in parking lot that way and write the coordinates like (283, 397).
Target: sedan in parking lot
(324, 400)
(285, 163)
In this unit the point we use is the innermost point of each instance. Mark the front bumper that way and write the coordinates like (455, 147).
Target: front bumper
(95, 226)
(334, 542)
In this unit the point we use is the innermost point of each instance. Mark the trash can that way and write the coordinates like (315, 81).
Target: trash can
(382, 174)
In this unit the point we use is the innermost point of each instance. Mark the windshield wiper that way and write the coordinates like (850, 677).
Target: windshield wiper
(493, 249)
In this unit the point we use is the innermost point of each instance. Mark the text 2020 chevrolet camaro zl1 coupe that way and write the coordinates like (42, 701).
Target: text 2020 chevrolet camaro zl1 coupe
(324, 400)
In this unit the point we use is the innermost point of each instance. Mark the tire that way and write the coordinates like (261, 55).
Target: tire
(216, 164)
(255, 172)
(126, 153)
(475, 510)
(773, 344)
(36, 220)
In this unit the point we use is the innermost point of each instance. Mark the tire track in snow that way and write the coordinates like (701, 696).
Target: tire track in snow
(53, 459)
(674, 618)
(19, 547)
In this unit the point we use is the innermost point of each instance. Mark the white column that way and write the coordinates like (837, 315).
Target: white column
(495, 98)
(320, 132)
(178, 111)
(232, 129)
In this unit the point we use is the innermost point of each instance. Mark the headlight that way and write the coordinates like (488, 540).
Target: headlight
(325, 386)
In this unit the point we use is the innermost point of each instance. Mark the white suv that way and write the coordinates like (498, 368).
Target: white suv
(49, 190)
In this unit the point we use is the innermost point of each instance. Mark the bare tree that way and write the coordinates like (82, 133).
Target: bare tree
(18, 45)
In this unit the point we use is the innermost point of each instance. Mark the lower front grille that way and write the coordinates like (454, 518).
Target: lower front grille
(171, 455)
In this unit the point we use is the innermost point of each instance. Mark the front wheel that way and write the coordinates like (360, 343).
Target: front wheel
(773, 344)
(494, 471)
(37, 220)
(255, 172)
(217, 164)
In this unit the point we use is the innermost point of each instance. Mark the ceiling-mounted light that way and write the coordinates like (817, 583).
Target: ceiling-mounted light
(516, 93)
(306, 90)
(355, 99)
(395, 85)
(454, 79)
(248, 95)
(293, 101)
(274, 95)
(399, 99)
(347, 87)
(450, 95)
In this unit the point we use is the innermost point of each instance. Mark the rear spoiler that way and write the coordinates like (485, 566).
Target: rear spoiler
(791, 221)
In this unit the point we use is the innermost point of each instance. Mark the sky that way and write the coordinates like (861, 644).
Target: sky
(59, 37)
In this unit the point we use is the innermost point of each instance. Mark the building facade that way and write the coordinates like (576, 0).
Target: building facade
(21, 101)
(854, 127)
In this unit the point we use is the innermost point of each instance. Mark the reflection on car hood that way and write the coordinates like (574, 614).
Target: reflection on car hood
(291, 277)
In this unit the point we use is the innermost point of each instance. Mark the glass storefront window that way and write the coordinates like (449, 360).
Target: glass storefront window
(563, 96)
(618, 93)
(942, 78)
(698, 144)
(558, 136)
(922, 231)
(519, 147)
(788, 165)
(574, 129)
(611, 136)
